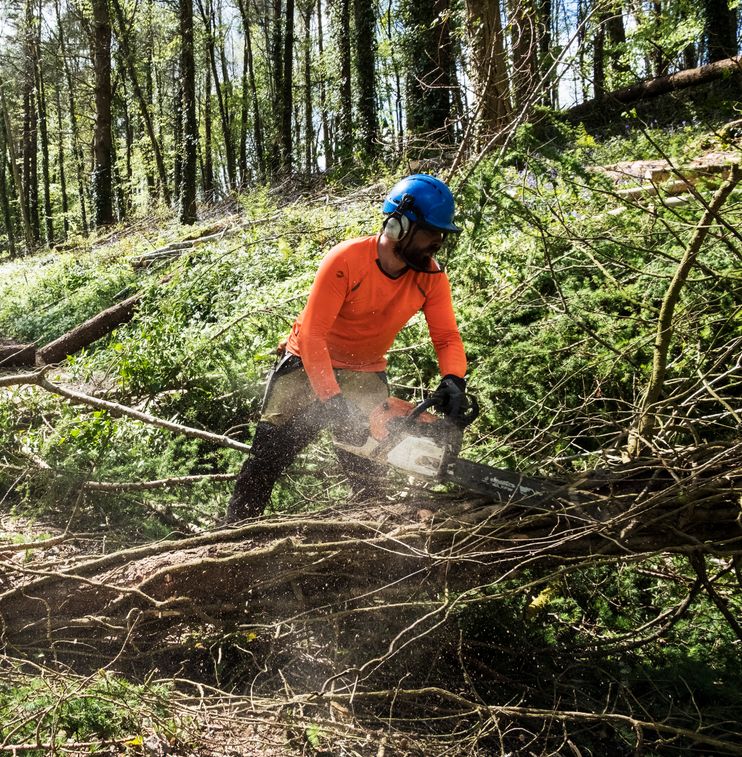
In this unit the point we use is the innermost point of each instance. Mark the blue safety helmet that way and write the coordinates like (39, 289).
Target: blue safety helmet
(424, 200)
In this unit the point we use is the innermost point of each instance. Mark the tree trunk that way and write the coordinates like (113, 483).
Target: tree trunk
(344, 147)
(102, 180)
(76, 148)
(276, 81)
(309, 161)
(30, 121)
(656, 87)
(244, 98)
(208, 150)
(190, 126)
(15, 172)
(720, 29)
(599, 56)
(44, 133)
(83, 335)
(549, 89)
(524, 33)
(177, 126)
(326, 133)
(62, 174)
(489, 71)
(127, 185)
(660, 63)
(124, 43)
(4, 201)
(365, 59)
(287, 89)
(207, 16)
(257, 117)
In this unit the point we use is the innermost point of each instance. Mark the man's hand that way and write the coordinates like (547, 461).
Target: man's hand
(346, 421)
(450, 397)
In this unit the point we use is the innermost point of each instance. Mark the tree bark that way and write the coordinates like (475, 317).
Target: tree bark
(309, 160)
(287, 91)
(364, 38)
(17, 176)
(524, 33)
(326, 132)
(102, 180)
(344, 146)
(656, 87)
(30, 123)
(720, 29)
(257, 119)
(62, 173)
(44, 133)
(4, 202)
(489, 71)
(17, 356)
(188, 213)
(83, 335)
(208, 150)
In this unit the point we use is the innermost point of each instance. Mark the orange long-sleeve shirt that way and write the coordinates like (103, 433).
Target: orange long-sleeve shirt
(355, 311)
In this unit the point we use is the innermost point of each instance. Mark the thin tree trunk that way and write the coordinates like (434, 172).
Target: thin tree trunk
(308, 109)
(599, 56)
(326, 135)
(208, 149)
(190, 126)
(76, 149)
(44, 133)
(4, 201)
(276, 61)
(129, 145)
(207, 16)
(102, 137)
(244, 98)
(287, 146)
(62, 174)
(17, 176)
(257, 117)
(30, 122)
(123, 39)
(177, 122)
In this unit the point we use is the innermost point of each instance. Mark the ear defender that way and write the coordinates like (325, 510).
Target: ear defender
(396, 226)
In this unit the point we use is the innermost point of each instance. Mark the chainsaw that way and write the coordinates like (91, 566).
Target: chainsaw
(426, 446)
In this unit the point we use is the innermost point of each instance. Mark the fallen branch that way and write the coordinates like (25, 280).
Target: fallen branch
(38, 378)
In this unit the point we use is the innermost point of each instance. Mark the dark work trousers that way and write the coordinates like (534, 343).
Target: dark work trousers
(290, 420)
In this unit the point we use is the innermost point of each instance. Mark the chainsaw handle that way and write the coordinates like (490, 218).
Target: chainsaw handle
(462, 421)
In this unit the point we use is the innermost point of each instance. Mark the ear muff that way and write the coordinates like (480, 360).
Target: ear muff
(396, 226)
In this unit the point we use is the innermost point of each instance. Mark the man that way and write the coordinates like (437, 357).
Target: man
(332, 374)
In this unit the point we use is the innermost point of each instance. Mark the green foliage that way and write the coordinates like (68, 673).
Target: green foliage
(53, 710)
(41, 302)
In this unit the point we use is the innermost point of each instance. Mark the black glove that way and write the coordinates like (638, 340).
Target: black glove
(346, 421)
(450, 397)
